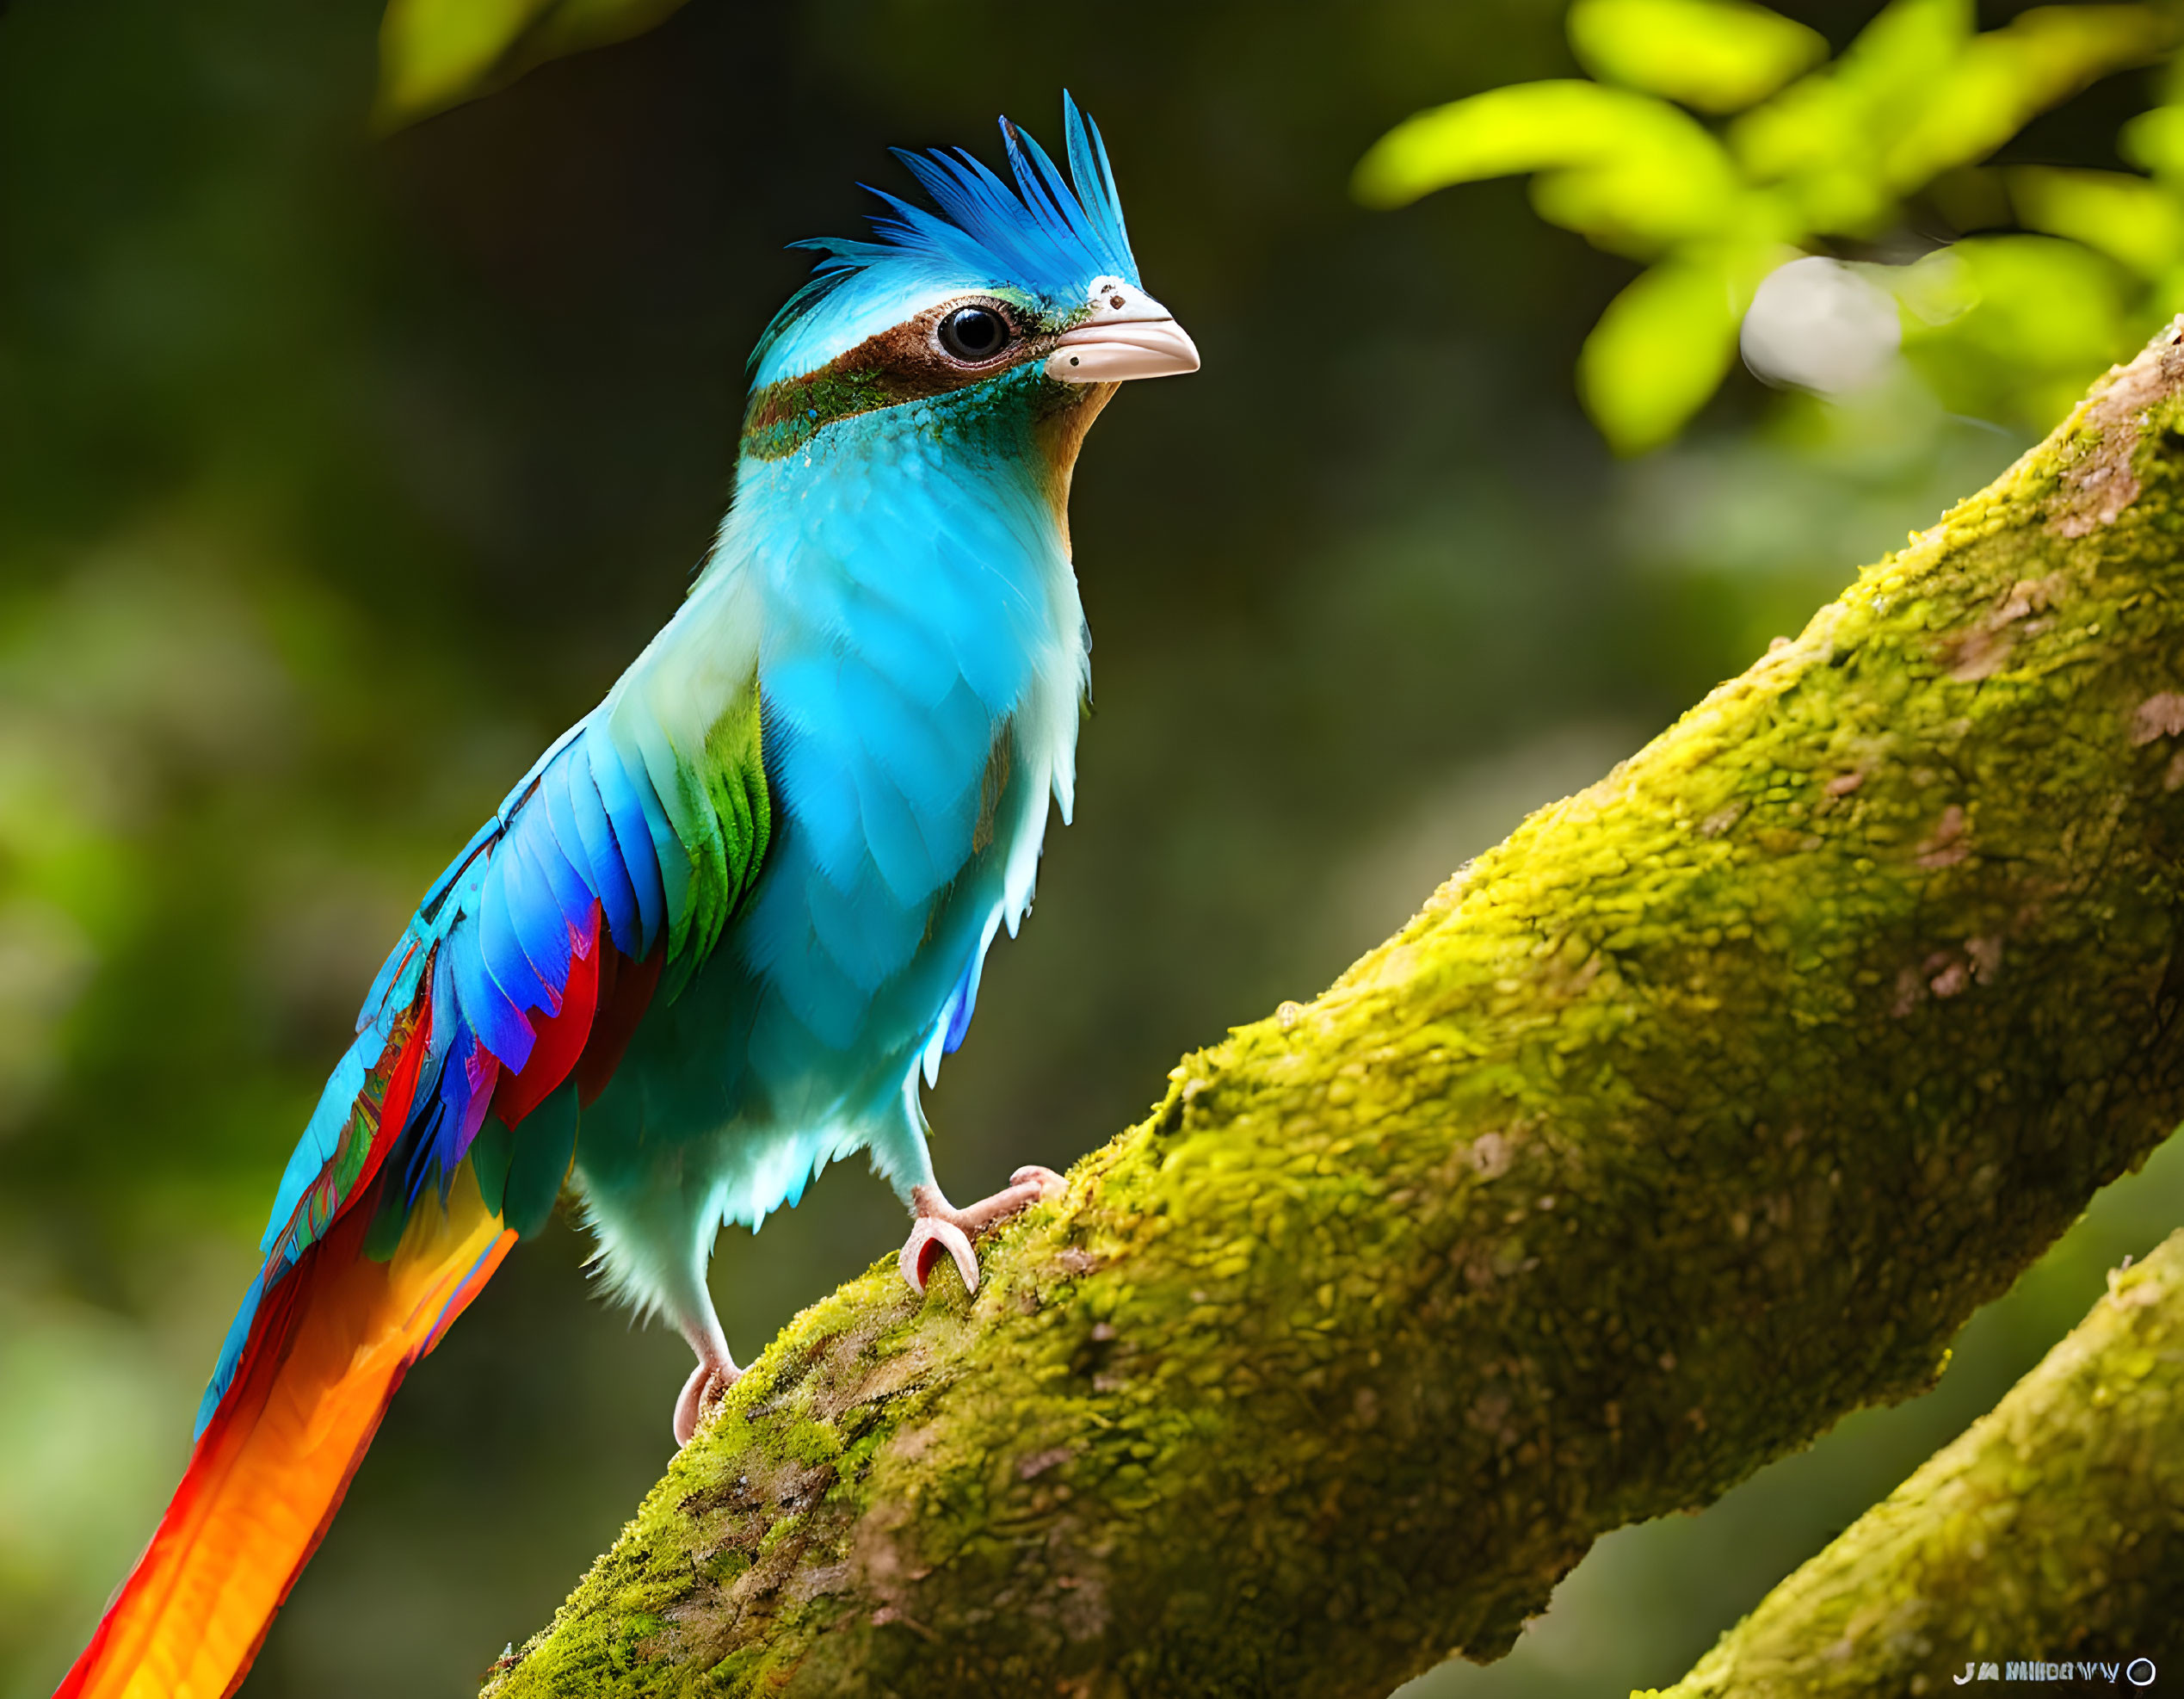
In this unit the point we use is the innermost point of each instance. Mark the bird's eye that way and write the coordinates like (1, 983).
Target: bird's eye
(974, 334)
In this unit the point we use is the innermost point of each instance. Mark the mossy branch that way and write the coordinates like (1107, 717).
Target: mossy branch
(1699, 1113)
(2052, 1531)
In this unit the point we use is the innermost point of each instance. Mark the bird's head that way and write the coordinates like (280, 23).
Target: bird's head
(1009, 310)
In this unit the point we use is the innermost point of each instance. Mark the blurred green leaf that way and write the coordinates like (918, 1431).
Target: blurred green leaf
(2007, 76)
(2126, 217)
(1917, 93)
(1631, 172)
(1970, 198)
(438, 53)
(2013, 327)
(2155, 140)
(1826, 131)
(1892, 63)
(1717, 55)
(1660, 351)
(1910, 107)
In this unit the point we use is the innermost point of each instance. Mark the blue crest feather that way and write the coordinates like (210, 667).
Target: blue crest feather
(1048, 236)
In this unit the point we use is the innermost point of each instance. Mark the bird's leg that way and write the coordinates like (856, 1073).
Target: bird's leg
(715, 1372)
(942, 1229)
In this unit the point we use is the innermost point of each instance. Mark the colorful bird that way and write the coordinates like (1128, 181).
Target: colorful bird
(713, 938)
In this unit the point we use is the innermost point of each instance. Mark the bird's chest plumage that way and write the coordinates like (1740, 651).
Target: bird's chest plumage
(921, 658)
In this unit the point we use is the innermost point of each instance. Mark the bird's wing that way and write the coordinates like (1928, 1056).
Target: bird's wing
(444, 1135)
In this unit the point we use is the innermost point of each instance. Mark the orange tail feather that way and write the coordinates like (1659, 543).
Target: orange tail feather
(333, 1342)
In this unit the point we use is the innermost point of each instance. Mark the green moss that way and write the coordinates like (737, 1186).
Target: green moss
(2053, 1529)
(1699, 1113)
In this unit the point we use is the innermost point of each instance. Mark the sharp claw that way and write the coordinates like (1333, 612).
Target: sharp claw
(967, 1259)
(1051, 1185)
(691, 1405)
(705, 1389)
(928, 1240)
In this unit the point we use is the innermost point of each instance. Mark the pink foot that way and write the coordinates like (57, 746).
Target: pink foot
(708, 1385)
(943, 1230)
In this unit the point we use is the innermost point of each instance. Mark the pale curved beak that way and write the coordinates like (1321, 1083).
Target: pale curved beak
(1130, 336)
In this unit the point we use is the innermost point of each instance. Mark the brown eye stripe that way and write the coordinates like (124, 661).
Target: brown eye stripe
(902, 363)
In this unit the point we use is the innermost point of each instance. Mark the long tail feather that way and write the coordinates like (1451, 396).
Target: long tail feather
(332, 1344)
(511, 978)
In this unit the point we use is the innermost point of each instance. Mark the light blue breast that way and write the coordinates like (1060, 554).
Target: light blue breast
(921, 660)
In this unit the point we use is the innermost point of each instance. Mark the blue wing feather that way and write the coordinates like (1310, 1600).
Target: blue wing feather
(679, 834)
(626, 815)
(500, 947)
(497, 930)
(586, 842)
(572, 897)
(535, 909)
(485, 1008)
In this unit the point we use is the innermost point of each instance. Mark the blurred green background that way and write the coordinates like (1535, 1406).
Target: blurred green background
(339, 472)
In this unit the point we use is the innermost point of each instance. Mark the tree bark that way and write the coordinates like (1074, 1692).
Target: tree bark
(1701, 1112)
(2051, 1532)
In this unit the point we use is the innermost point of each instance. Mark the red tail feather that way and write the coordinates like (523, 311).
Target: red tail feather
(327, 1351)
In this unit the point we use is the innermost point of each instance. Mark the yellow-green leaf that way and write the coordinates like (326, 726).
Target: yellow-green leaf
(437, 54)
(1717, 55)
(2007, 76)
(1633, 173)
(2039, 318)
(1640, 205)
(1659, 351)
(2155, 140)
(1827, 130)
(2126, 217)
(1917, 93)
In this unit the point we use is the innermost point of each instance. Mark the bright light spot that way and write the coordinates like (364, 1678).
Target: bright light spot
(1817, 323)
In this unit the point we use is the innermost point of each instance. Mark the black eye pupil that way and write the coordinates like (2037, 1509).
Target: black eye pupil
(974, 333)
